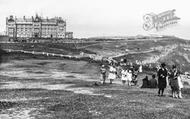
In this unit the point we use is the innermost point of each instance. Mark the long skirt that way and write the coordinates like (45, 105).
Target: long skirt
(180, 82)
(162, 83)
(176, 84)
(124, 78)
(129, 77)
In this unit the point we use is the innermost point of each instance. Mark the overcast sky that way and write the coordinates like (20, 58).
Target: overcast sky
(88, 18)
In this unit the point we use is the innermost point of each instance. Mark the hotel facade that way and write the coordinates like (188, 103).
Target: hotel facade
(36, 27)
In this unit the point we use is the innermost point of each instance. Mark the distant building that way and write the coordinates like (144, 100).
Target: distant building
(37, 27)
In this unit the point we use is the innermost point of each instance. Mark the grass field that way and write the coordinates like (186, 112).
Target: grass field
(32, 88)
(38, 87)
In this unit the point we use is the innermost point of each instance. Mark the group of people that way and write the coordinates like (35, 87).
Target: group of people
(129, 75)
(149, 83)
(174, 80)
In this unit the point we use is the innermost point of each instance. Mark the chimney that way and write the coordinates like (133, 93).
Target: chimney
(11, 16)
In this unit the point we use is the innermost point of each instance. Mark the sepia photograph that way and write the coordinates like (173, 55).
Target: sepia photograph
(94, 59)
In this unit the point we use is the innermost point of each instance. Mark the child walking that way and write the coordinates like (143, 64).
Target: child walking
(124, 74)
(103, 74)
(112, 73)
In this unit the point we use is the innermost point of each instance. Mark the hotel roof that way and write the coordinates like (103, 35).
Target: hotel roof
(36, 19)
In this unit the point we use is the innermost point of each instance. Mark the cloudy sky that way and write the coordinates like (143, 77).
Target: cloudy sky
(89, 18)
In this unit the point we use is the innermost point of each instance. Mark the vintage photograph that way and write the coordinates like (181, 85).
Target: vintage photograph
(94, 59)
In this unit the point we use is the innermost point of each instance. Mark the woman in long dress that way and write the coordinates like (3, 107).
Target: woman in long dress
(129, 77)
(175, 82)
(140, 68)
(180, 84)
(112, 73)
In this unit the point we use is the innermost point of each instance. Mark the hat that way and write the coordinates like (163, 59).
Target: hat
(173, 66)
(163, 64)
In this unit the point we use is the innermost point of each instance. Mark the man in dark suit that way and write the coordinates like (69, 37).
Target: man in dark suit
(162, 75)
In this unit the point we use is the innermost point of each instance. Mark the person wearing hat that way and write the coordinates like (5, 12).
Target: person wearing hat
(103, 73)
(162, 75)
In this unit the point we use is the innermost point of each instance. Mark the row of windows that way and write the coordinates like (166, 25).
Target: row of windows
(46, 33)
(24, 26)
(21, 29)
(23, 33)
(43, 32)
(11, 25)
(29, 32)
(20, 35)
(48, 26)
(48, 29)
(11, 29)
(36, 29)
(29, 35)
(49, 34)
(43, 27)
(20, 32)
(60, 36)
(35, 25)
(24, 30)
(61, 33)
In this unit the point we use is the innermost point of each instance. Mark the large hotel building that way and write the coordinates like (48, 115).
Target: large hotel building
(36, 27)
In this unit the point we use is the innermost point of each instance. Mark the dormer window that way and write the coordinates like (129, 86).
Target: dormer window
(11, 19)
